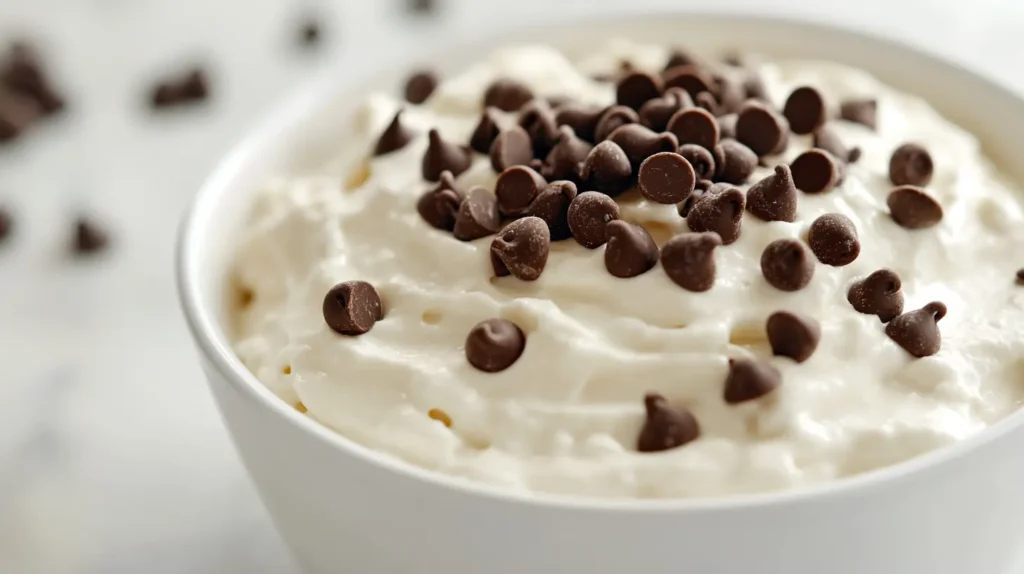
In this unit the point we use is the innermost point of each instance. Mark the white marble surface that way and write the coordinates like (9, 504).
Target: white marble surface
(112, 457)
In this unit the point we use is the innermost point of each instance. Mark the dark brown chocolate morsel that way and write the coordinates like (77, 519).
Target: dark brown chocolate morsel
(750, 379)
(727, 126)
(612, 119)
(913, 207)
(774, 198)
(607, 169)
(805, 110)
(699, 188)
(582, 120)
(588, 217)
(640, 142)
(666, 426)
(701, 160)
(729, 94)
(706, 101)
(878, 294)
(825, 138)
(636, 88)
(516, 189)
(478, 215)
(719, 209)
(816, 171)
(17, 113)
(552, 206)
(681, 57)
(512, 147)
(762, 129)
(786, 265)
(189, 88)
(656, 112)
(666, 177)
(737, 162)
(696, 126)
(444, 156)
(23, 75)
(538, 119)
(507, 95)
(439, 206)
(89, 237)
(792, 335)
(494, 345)
(690, 78)
(861, 111)
(395, 137)
(918, 331)
(689, 260)
(486, 132)
(833, 239)
(352, 308)
(565, 158)
(420, 86)
(911, 164)
(630, 251)
(1020, 276)
(521, 249)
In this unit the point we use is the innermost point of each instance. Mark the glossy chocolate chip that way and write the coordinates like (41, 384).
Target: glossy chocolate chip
(420, 86)
(861, 111)
(395, 137)
(719, 209)
(439, 206)
(612, 119)
(666, 426)
(607, 169)
(690, 78)
(816, 171)
(582, 120)
(878, 294)
(750, 379)
(761, 129)
(913, 207)
(630, 251)
(521, 249)
(826, 138)
(774, 198)
(486, 132)
(805, 110)
(564, 159)
(786, 265)
(516, 189)
(655, 113)
(695, 126)
(666, 177)
(478, 215)
(689, 260)
(512, 147)
(494, 345)
(538, 119)
(727, 126)
(701, 160)
(792, 335)
(89, 237)
(588, 217)
(352, 308)
(637, 88)
(552, 206)
(735, 162)
(444, 156)
(918, 331)
(640, 142)
(911, 164)
(833, 239)
(507, 95)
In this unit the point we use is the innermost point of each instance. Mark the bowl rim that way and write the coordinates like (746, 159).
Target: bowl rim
(212, 340)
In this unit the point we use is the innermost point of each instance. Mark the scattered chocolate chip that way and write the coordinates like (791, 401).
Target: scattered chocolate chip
(507, 95)
(640, 142)
(552, 206)
(6, 224)
(22, 74)
(878, 294)
(17, 113)
(913, 207)
(794, 336)
(755, 88)
(706, 101)
(666, 177)
(352, 308)
(189, 88)
(512, 147)
(863, 111)
(825, 138)
(607, 169)
(494, 345)
(612, 119)
(686, 206)
(701, 160)
(729, 94)
(478, 215)
(439, 206)
(696, 126)
(444, 156)
(786, 265)
(680, 57)
(719, 209)
(89, 237)
(918, 331)
(690, 78)
(486, 132)
(816, 171)
(689, 260)
(656, 112)
(761, 129)
(564, 159)
(588, 217)
(636, 88)
(516, 189)
(735, 162)
(537, 118)
(521, 249)
(750, 379)
(833, 239)
(666, 426)
(420, 86)
(582, 120)
(395, 137)
(727, 126)
(910, 164)
(805, 110)
(631, 250)
(774, 197)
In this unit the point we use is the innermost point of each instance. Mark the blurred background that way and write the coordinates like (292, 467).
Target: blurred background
(112, 457)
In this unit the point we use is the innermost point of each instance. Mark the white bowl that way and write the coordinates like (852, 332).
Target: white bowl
(344, 508)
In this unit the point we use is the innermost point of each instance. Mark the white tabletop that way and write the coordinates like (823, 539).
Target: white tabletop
(112, 456)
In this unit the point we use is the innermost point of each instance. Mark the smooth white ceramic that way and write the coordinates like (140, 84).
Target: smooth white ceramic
(345, 509)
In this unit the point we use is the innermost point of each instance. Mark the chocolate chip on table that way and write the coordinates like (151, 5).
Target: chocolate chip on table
(89, 237)
(494, 345)
(507, 95)
(588, 217)
(440, 205)
(478, 215)
(681, 57)
(762, 129)
(512, 147)
(516, 189)
(6, 224)
(735, 162)
(719, 209)
(582, 120)
(727, 126)
(774, 198)
(630, 251)
(701, 160)
(918, 331)
(189, 88)
(816, 171)
(537, 118)
(444, 156)
(696, 126)
(637, 88)
(792, 335)
(485, 132)
(420, 86)
(552, 206)
(1020, 276)
(878, 294)
(729, 94)
(833, 239)
(825, 138)
(352, 308)
(666, 177)
(699, 188)
(666, 426)
(805, 110)
(564, 159)
(612, 119)
(861, 111)
(689, 260)
(750, 379)
(706, 101)
(911, 164)
(17, 113)
(607, 169)
(521, 249)
(395, 137)
(656, 112)
(786, 265)
(22, 74)
(690, 78)
(640, 142)
(913, 207)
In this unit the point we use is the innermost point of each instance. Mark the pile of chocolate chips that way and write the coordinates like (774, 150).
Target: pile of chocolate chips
(26, 92)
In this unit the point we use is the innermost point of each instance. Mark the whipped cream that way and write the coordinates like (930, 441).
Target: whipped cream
(565, 417)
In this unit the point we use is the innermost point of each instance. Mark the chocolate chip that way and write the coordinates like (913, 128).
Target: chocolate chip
(805, 110)
(761, 129)
(735, 162)
(521, 249)
(612, 119)
(23, 75)
(636, 88)
(17, 113)
(439, 206)
(825, 138)
(690, 78)
(913, 207)
(582, 120)
(607, 169)
(537, 118)
(701, 160)
(352, 308)
(420, 86)
(666, 426)
(680, 57)
(750, 379)
(729, 94)
(516, 189)
(552, 206)
(656, 112)
(816, 171)
(699, 188)
(727, 126)
(512, 147)
(191, 87)
(442, 155)
(861, 111)
(588, 217)
(395, 137)
(774, 197)
(630, 251)
(918, 331)
(794, 336)
(507, 95)
(786, 265)
(719, 209)
(706, 101)
(878, 294)
(89, 237)
(6, 224)
(833, 239)
(911, 164)
(477, 216)
(696, 126)
(564, 159)
(1020, 276)
(689, 260)
(640, 142)
(494, 345)
(755, 87)
(486, 132)
(666, 177)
